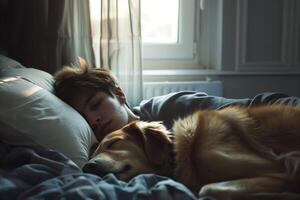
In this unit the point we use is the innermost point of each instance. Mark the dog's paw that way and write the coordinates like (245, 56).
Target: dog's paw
(206, 191)
(217, 191)
(223, 191)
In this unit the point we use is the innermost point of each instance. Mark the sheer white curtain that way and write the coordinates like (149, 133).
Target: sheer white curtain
(116, 30)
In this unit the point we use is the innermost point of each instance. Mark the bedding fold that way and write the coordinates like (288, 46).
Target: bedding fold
(37, 173)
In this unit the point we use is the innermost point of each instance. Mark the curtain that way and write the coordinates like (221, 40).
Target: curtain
(116, 31)
(48, 34)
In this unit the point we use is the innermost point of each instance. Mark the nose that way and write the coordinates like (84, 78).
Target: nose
(96, 122)
(102, 167)
(93, 167)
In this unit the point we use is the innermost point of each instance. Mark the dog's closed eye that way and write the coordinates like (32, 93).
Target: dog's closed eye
(106, 145)
(111, 143)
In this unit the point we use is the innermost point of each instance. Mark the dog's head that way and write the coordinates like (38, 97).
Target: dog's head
(139, 147)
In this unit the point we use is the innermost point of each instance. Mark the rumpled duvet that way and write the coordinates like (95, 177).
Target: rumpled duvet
(35, 173)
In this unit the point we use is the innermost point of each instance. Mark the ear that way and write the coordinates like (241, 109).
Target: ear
(153, 138)
(156, 141)
(120, 95)
(82, 61)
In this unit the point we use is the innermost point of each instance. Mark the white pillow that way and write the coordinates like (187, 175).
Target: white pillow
(31, 115)
(10, 67)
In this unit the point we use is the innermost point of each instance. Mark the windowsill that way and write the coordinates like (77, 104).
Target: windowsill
(206, 72)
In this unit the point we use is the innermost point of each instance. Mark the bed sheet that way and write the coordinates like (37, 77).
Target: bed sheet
(36, 173)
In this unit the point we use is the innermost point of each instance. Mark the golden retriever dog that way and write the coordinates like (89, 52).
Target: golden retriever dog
(232, 153)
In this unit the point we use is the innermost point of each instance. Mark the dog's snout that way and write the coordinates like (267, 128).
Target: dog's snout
(94, 168)
(125, 168)
(101, 167)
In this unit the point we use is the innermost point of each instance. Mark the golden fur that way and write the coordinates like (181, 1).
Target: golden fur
(228, 154)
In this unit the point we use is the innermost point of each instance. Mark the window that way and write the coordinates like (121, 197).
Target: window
(157, 27)
(167, 28)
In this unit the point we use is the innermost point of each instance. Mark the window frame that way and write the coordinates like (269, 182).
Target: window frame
(185, 47)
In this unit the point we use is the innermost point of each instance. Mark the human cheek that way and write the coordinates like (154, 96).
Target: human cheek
(93, 117)
(122, 117)
(116, 115)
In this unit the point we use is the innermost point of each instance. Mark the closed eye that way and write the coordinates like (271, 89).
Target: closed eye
(96, 104)
(110, 143)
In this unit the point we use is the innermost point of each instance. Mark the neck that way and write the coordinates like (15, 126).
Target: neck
(131, 115)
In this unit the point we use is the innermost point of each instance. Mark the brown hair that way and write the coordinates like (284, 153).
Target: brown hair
(69, 79)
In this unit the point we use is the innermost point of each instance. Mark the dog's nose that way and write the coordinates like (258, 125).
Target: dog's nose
(94, 168)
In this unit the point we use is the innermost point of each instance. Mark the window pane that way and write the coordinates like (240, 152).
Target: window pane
(159, 21)
(95, 11)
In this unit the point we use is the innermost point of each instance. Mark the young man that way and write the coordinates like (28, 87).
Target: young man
(96, 95)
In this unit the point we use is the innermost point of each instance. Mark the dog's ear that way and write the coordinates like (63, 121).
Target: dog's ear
(156, 143)
(155, 139)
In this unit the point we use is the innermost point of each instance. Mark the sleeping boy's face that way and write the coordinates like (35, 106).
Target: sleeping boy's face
(104, 113)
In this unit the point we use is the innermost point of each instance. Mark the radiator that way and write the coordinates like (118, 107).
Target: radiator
(152, 89)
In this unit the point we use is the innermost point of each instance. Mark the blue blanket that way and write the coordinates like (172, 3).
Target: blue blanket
(35, 173)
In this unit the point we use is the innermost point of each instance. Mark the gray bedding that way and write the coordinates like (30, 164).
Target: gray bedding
(35, 173)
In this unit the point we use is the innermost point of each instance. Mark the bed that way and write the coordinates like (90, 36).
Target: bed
(44, 142)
